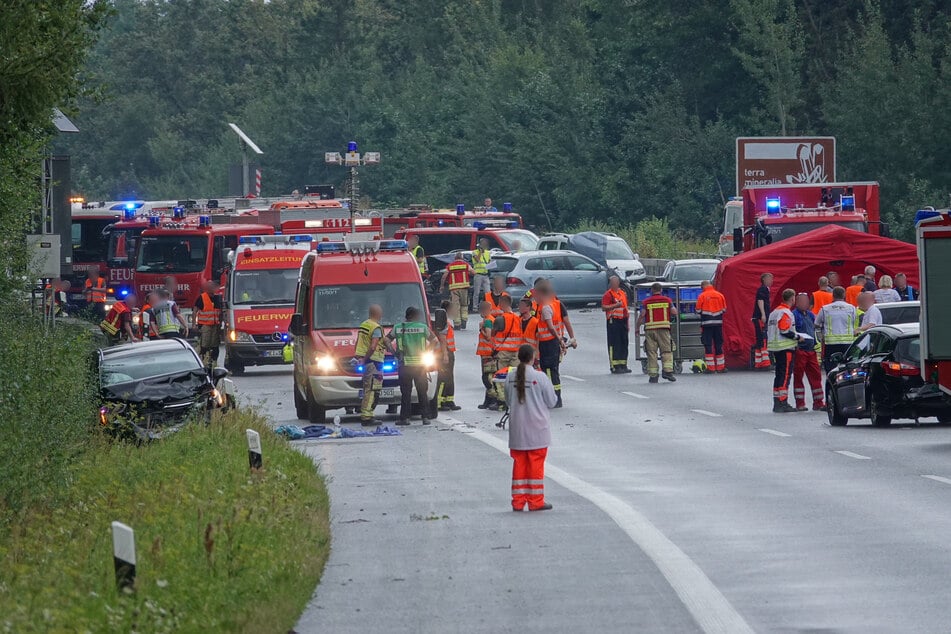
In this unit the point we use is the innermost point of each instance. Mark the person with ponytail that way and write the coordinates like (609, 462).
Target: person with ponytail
(530, 395)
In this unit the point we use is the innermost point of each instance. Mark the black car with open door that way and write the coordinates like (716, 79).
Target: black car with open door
(879, 377)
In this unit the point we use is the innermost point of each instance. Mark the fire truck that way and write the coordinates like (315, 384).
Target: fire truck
(775, 212)
(89, 246)
(934, 258)
(335, 229)
(419, 216)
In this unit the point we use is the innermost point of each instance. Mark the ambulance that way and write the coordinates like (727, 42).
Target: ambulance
(338, 283)
(260, 298)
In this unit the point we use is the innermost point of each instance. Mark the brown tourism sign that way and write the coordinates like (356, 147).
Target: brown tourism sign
(784, 160)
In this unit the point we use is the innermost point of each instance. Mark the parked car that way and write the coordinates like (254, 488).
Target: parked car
(441, 240)
(689, 271)
(577, 279)
(607, 249)
(879, 377)
(153, 388)
(900, 312)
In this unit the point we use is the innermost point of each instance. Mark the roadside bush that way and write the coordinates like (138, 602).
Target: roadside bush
(653, 238)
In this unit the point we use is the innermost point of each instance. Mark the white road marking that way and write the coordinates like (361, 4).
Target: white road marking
(709, 608)
(707, 413)
(937, 478)
(635, 394)
(766, 430)
(850, 454)
(573, 378)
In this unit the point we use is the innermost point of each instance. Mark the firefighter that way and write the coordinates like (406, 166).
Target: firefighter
(410, 339)
(207, 317)
(495, 296)
(807, 358)
(446, 382)
(481, 258)
(711, 304)
(835, 326)
(551, 345)
(655, 315)
(118, 321)
(166, 316)
(760, 314)
(530, 394)
(852, 292)
(614, 305)
(370, 353)
(459, 279)
(95, 292)
(486, 352)
(419, 253)
(782, 342)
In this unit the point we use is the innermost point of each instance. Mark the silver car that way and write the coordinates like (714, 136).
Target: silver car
(577, 279)
(900, 312)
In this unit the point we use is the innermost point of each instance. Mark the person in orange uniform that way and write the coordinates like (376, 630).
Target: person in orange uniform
(489, 357)
(614, 305)
(551, 344)
(445, 380)
(822, 296)
(507, 334)
(494, 297)
(656, 313)
(95, 291)
(207, 315)
(528, 324)
(711, 304)
(852, 292)
(118, 321)
(458, 278)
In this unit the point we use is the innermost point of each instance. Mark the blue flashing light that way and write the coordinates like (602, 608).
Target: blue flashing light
(393, 245)
(773, 205)
(303, 237)
(507, 207)
(478, 225)
(155, 221)
(285, 337)
(123, 292)
(130, 205)
(178, 212)
(250, 240)
(847, 202)
(923, 214)
(460, 209)
(389, 367)
(352, 146)
(440, 223)
(331, 247)
(204, 221)
(128, 214)
(359, 369)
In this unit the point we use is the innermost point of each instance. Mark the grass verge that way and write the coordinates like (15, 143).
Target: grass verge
(218, 548)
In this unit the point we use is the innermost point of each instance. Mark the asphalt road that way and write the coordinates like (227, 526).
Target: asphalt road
(679, 507)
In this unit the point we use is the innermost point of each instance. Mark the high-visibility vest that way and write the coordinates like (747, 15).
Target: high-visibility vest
(819, 299)
(480, 261)
(411, 338)
(484, 347)
(451, 339)
(113, 321)
(544, 332)
(658, 312)
(458, 272)
(780, 321)
(837, 321)
(511, 337)
(420, 261)
(711, 304)
(365, 338)
(529, 328)
(207, 314)
(165, 318)
(96, 297)
(613, 296)
(496, 305)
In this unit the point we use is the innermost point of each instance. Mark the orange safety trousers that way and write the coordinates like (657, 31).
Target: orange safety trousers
(528, 478)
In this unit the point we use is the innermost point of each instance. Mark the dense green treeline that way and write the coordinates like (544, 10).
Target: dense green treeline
(608, 109)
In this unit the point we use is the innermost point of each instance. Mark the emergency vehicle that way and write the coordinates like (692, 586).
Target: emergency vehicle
(338, 283)
(193, 251)
(934, 258)
(335, 229)
(502, 235)
(89, 246)
(260, 298)
(419, 216)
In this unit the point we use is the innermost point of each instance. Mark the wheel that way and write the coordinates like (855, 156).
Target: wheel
(832, 409)
(874, 411)
(300, 404)
(316, 414)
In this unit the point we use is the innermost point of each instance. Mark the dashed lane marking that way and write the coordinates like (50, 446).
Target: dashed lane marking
(850, 454)
(635, 394)
(573, 378)
(938, 478)
(711, 610)
(707, 413)
(781, 434)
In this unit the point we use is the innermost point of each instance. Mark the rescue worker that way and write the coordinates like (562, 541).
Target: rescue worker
(711, 304)
(166, 316)
(485, 349)
(446, 381)
(481, 258)
(655, 315)
(370, 353)
(207, 317)
(495, 295)
(506, 334)
(531, 395)
(146, 323)
(614, 305)
(551, 344)
(782, 342)
(807, 358)
(760, 314)
(171, 285)
(419, 253)
(410, 339)
(118, 321)
(532, 292)
(458, 278)
(822, 296)
(95, 292)
(852, 292)
(871, 315)
(56, 297)
(835, 326)
(528, 324)
(906, 292)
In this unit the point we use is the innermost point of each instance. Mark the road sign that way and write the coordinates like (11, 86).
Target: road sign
(784, 160)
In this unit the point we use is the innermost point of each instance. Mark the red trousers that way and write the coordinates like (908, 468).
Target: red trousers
(528, 478)
(807, 363)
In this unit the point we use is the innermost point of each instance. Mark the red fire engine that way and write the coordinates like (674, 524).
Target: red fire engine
(934, 257)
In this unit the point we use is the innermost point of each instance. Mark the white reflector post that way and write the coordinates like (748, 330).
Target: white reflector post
(123, 554)
(254, 450)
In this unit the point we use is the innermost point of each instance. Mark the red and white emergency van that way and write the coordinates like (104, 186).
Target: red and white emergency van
(339, 281)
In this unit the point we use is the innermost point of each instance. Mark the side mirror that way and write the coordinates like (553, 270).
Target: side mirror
(297, 327)
(738, 240)
(218, 373)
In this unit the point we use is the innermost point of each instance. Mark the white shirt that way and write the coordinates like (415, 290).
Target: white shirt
(528, 422)
(872, 316)
(886, 295)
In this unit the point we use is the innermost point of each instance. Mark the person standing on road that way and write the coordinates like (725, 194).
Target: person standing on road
(655, 315)
(418, 252)
(551, 345)
(370, 353)
(618, 315)
(445, 380)
(207, 316)
(885, 291)
(118, 321)
(506, 334)
(95, 291)
(530, 395)
(870, 285)
(822, 296)
(485, 349)
(853, 291)
(459, 279)
(835, 326)
(807, 360)
(410, 339)
(167, 317)
(494, 297)
(871, 315)
(711, 304)
(528, 324)
(782, 342)
(906, 292)
(481, 258)
(760, 314)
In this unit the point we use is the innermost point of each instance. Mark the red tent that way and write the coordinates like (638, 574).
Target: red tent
(797, 263)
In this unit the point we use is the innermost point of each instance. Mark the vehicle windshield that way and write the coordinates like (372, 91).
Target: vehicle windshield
(693, 272)
(346, 306)
(274, 286)
(123, 244)
(900, 313)
(135, 367)
(172, 254)
(527, 241)
(89, 242)
(617, 249)
(781, 230)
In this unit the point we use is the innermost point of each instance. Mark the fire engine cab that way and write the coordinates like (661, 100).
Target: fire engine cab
(934, 257)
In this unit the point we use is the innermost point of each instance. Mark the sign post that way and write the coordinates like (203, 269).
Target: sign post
(255, 458)
(123, 555)
(784, 161)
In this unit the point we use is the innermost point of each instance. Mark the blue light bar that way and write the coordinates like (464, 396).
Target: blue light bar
(773, 205)
(178, 212)
(393, 245)
(123, 292)
(460, 209)
(848, 202)
(331, 247)
(506, 206)
(128, 214)
(303, 237)
(389, 367)
(478, 225)
(130, 205)
(352, 146)
(922, 214)
(155, 221)
(250, 240)
(204, 221)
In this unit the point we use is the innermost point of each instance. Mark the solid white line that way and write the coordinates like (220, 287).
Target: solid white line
(709, 608)
(573, 378)
(774, 432)
(707, 413)
(635, 394)
(937, 478)
(850, 454)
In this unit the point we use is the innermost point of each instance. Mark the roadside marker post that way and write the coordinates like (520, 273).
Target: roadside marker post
(123, 555)
(254, 450)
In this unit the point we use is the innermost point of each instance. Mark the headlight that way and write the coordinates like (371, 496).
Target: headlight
(326, 363)
(429, 359)
(218, 397)
(103, 416)
(236, 336)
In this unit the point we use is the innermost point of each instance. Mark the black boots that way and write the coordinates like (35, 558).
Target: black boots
(782, 407)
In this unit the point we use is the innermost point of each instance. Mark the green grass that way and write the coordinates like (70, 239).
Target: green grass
(653, 238)
(219, 548)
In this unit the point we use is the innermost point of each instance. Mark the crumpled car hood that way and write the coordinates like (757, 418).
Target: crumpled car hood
(161, 390)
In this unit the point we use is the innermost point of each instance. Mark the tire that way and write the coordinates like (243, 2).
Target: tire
(832, 410)
(300, 404)
(316, 414)
(878, 419)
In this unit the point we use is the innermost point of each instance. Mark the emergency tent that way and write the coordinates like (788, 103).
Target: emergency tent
(798, 263)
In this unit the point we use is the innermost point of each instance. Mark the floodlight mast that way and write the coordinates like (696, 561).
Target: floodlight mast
(246, 143)
(352, 159)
